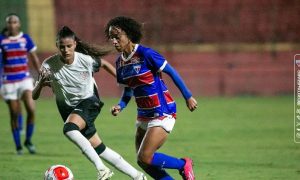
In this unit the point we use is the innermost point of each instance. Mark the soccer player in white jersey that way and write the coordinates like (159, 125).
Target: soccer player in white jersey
(17, 83)
(70, 75)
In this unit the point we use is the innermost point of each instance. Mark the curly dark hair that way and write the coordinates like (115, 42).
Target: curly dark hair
(131, 27)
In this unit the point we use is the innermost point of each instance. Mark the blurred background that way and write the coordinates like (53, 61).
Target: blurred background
(221, 48)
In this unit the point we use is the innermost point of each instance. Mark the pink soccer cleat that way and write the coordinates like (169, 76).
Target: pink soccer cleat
(187, 171)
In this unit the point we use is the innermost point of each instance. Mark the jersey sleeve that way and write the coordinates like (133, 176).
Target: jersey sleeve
(45, 65)
(96, 64)
(30, 46)
(156, 61)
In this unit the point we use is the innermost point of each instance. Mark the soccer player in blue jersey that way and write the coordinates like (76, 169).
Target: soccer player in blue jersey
(139, 69)
(17, 83)
(4, 32)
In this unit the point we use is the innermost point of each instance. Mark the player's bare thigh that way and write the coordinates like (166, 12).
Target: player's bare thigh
(76, 119)
(139, 135)
(154, 138)
(28, 102)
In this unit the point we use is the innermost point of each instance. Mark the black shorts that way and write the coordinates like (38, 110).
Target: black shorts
(88, 109)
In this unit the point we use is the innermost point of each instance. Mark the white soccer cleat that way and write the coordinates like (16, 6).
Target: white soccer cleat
(105, 174)
(140, 176)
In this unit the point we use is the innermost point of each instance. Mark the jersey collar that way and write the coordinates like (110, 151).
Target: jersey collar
(16, 37)
(131, 54)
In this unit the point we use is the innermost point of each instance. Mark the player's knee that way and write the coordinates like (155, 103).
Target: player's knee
(14, 115)
(14, 118)
(144, 158)
(70, 127)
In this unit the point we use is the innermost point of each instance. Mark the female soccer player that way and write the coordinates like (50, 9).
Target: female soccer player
(70, 75)
(17, 82)
(4, 32)
(139, 69)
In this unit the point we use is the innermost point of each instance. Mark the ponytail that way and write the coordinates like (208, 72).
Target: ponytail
(90, 49)
(85, 48)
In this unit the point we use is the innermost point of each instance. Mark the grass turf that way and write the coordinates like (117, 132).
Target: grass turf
(228, 138)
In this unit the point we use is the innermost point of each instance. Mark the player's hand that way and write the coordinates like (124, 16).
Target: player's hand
(191, 103)
(115, 110)
(44, 78)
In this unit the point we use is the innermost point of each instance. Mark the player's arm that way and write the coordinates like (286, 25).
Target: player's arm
(35, 60)
(126, 96)
(42, 81)
(108, 67)
(190, 101)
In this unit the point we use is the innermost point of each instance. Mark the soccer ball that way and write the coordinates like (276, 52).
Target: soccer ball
(58, 172)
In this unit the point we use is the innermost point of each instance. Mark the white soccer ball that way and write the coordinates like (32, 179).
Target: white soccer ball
(58, 172)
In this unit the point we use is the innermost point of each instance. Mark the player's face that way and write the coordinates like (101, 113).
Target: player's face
(13, 25)
(66, 47)
(119, 39)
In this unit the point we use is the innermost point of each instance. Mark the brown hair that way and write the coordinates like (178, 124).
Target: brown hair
(85, 48)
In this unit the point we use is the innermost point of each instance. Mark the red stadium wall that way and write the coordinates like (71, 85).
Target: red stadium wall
(207, 73)
(188, 21)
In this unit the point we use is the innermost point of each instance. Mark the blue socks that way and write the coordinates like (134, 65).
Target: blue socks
(17, 132)
(156, 172)
(29, 131)
(17, 138)
(167, 178)
(168, 162)
(161, 161)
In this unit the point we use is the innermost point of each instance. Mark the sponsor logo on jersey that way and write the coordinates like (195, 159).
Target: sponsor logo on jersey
(135, 60)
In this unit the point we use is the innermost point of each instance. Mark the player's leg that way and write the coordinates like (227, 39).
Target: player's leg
(20, 121)
(14, 107)
(153, 171)
(155, 137)
(9, 92)
(114, 158)
(72, 128)
(30, 109)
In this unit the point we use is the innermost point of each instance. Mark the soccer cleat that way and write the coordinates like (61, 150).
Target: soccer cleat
(140, 176)
(30, 147)
(105, 174)
(19, 150)
(187, 171)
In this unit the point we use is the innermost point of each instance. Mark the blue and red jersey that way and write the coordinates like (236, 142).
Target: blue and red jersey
(15, 60)
(141, 71)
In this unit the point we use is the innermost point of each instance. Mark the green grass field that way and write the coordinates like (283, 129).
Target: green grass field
(228, 138)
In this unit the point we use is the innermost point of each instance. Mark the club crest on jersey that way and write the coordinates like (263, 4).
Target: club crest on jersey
(137, 68)
(84, 75)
